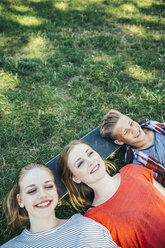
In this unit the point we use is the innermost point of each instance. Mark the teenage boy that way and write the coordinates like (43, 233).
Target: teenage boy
(145, 140)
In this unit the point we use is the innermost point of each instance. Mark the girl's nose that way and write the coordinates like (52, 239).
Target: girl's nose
(90, 161)
(42, 193)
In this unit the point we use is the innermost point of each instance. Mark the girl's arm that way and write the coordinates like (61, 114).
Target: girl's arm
(159, 187)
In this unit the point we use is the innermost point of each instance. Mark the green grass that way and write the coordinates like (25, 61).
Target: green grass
(63, 65)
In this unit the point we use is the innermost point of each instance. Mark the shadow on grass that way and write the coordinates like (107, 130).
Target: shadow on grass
(71, 46)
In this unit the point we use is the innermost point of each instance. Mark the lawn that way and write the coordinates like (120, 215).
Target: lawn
(63, 65)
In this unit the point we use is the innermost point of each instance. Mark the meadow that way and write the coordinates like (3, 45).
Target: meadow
(63, 65)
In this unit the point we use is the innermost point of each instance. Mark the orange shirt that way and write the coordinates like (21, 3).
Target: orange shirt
(135, 214)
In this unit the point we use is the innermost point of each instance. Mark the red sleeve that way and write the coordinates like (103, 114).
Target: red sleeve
(140, 170)
(148, 173)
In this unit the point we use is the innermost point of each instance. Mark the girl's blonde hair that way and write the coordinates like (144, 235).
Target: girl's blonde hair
(81, 195)
(109, 122)
(16, 216)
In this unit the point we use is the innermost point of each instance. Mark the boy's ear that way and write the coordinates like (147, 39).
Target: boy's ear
(118, 142)
(76, 180)
(20, 202)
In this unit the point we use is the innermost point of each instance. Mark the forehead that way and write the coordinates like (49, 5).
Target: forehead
(36, 176)
(122, 122)
(77, 151)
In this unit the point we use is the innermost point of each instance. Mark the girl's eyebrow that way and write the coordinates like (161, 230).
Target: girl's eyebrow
(48, 181)
(77, 161)
(33, 185)
(87, 149)
(80, 158)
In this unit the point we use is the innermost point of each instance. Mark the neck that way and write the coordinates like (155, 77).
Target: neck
(44, 224)
(147, 141)
(105, 188)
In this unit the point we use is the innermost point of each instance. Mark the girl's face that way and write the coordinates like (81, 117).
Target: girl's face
(38, 193)
(86, 165)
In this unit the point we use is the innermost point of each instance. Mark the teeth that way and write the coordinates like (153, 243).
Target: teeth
(43, 204)
(95, 169)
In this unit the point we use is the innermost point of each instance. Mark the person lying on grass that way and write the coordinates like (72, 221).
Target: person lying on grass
(130, 204)
(31, 203)
(145, 140)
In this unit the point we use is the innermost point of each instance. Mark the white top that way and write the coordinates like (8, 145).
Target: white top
(78, 231)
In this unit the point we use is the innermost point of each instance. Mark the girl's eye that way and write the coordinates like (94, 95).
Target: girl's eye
(31, 191)
(49, 186)
(79, 164)
(90, 153)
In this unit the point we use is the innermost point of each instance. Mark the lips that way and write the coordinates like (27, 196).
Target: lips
(95, 168)
(138, 134)
(43, 204)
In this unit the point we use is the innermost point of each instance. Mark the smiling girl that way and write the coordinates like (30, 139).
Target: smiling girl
(30, 204)
(130, 204)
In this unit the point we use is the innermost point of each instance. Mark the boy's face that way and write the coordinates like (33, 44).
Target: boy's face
(128, 131)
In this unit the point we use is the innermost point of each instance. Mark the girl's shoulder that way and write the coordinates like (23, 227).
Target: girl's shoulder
(14, 242)
(136, 170)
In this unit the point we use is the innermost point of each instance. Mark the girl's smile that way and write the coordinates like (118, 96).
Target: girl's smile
(43, 204)
(95, 169)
